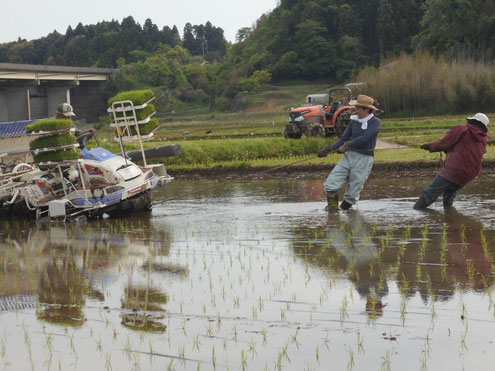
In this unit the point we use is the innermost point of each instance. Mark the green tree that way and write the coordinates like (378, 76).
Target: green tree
(189, 40)
(458, 26)
(151, 35)
(242, 34)
(385, 27)
(313, 49)
(287, 67)
(76, 52)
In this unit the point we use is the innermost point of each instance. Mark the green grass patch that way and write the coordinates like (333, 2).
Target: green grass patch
(136, 96)
(51, 141)
(56, 156)
(49, 125)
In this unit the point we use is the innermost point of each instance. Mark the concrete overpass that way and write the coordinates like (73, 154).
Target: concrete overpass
(29, 92)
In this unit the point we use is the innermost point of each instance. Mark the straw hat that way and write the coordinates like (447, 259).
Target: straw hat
(363, 101)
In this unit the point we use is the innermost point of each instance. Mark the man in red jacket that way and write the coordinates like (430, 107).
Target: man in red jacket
(464, 146)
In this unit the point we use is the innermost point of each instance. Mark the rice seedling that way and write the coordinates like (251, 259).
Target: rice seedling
(386, 364)
(282, 314)
(196, 342)
(182, 351)
(285, 354)
(294, 338)
(213, 356)
(234, 329)
(243, 359)
(484, 245)
(343, 310)
(108, 361)
(265, 337)
(350, 363)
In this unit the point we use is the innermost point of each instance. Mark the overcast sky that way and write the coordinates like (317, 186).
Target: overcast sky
(31, 19)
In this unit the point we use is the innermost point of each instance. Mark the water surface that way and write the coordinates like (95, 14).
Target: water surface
(255, 275)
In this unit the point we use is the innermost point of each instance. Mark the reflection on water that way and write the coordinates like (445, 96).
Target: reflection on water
(450, 251)
(59, 267)
(255, 275)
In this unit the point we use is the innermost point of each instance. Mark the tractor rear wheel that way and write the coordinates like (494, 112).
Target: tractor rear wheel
(342, 121)
(315, 130)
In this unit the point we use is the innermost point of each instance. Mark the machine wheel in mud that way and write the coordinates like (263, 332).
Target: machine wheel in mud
(141, 202)
(315, 130)
(342, 122)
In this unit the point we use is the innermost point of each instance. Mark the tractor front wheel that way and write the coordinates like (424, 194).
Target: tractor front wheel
(315, 130)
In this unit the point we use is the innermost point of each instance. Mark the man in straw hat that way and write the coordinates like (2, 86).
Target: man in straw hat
(355, 166)
(464, 146)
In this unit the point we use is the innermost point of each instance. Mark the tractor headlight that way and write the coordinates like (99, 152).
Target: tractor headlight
(300, 118)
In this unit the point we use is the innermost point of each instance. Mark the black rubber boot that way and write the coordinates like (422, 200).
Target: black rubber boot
(344, 205)
(448, 198)
(332, 201)
(420, 204)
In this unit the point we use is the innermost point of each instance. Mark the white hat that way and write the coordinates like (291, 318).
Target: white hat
(481, 117)
(65, 109)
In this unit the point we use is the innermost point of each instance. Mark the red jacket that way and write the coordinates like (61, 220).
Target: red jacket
(464, 146)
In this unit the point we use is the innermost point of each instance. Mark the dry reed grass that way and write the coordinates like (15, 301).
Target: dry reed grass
(424, 83)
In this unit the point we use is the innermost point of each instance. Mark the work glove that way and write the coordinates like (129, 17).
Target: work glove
(425, 146)
(324, 152)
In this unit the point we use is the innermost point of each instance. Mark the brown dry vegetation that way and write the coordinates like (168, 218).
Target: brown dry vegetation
(426, 84)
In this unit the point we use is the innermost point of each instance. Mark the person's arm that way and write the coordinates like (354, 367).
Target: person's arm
(449, 140)
(362, 141)
(345, 136)
(330, 148)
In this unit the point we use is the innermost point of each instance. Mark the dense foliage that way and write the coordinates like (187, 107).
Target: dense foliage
(108, 44)
(326, 38)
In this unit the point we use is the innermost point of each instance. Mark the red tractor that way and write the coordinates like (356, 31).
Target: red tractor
(321, 120)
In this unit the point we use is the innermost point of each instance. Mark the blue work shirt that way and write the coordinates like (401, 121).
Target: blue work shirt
(363, 141)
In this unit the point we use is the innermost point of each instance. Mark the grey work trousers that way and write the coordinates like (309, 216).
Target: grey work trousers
(353, 168)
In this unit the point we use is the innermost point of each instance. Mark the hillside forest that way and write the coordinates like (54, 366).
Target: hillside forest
(332, 40)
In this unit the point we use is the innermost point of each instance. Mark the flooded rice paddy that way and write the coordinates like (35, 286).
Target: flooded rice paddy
(255, 275)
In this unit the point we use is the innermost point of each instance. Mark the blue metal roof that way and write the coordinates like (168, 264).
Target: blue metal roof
(13, 128)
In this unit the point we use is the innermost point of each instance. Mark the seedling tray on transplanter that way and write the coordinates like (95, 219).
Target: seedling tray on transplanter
(56, 142)
(51, 141)
(132, 111)
(138, 97)
(146, 131)
(50, 126)
(51, 156)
